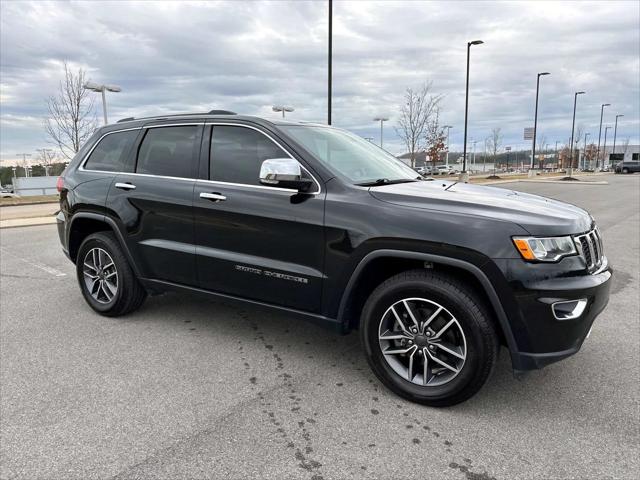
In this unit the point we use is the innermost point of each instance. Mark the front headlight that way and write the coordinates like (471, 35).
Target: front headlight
(547, 249)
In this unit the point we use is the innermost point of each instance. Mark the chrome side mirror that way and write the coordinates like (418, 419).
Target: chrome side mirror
(285, 173)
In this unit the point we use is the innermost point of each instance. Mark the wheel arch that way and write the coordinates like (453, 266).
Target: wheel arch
(357, 290)
(84, 224)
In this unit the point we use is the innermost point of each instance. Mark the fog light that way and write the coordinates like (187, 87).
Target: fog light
(569, 310)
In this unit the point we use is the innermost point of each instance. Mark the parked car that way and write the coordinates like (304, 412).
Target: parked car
(316, 222)
(627, 167)
(444, 170)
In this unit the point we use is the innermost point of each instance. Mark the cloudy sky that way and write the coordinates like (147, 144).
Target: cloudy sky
(248, 55)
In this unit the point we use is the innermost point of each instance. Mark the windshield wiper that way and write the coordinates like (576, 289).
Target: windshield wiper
(386, 181)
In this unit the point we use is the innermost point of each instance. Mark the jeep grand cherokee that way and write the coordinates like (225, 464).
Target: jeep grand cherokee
(314, 221)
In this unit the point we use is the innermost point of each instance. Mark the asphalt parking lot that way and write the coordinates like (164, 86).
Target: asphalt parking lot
(195, 388)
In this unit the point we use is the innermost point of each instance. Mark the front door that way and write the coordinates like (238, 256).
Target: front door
(253, 241)
(154, 203)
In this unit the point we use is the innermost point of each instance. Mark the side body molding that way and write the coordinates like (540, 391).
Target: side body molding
(454, 262)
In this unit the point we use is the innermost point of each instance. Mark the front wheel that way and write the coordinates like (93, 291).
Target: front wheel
(625, 170)
(428, 338)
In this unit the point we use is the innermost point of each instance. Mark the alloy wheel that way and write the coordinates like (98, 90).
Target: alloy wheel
(100, 275)
(422, 342)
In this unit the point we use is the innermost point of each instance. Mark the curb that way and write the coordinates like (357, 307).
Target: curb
(27, 203)
(27, 222)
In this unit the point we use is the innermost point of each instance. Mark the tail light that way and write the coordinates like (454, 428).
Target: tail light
(60, 184)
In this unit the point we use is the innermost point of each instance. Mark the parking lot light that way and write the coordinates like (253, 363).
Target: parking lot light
(381, 120)
(94, 87)
(600, 132)
(573, 125)
(535, 121)
(466, 108)
(282, 108)
(615, 133)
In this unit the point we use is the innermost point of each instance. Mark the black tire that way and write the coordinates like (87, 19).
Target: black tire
(625, 170)
(129, 295)
(458, 299)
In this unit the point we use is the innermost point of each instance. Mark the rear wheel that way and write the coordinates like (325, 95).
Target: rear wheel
(625, 170)
(428, 338)
(106, 279)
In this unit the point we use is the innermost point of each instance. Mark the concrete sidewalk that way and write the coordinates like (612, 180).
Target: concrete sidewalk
(28, 215)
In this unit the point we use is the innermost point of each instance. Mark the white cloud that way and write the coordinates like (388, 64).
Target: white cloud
(247, 56)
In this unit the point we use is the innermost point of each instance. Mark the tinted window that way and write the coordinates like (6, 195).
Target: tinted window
(110, 154)
(238, 152)
(634, 156)
(169, 151)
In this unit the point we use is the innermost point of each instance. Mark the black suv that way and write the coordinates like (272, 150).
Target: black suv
(317, 222)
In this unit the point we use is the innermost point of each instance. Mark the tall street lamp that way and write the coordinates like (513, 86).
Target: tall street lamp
(381, 120)
(94, 87)
(282, 108)
(535, 121)
(330, 61)
(604, 147)
(573, 125)
(466, 110)
(615, 133)
(448, 127)
(600, 133)
(584, 154)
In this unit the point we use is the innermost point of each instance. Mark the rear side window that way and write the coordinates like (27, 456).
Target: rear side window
(169, 151)
(237, 154)
(111, 152)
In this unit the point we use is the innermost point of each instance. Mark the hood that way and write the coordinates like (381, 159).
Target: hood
(538, 215)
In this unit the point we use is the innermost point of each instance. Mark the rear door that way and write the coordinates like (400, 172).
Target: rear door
(254, 241)
(154, 202)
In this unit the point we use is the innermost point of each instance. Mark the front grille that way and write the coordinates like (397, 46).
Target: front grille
(590, 248)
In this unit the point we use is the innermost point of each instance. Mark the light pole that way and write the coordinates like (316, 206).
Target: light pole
(282, 108)
(330, 61)
(473, 160)
(446, 160)
(584, 154)
(535, 120)
(604, 147)
(94, 87)
(615, 133)
(381, 120)
(573, 125)
(600, 132)
(463, 175)
(24, 162)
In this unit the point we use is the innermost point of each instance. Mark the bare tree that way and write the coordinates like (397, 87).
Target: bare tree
(590, 155)
(625, 146)
(495, 144)
(540, 148)
(415, 115)
(46, 157)
(435, 138)
(71, 119)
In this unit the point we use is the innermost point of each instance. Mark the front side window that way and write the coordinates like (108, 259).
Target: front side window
(111, 152)
(237, 154)
(169, 151)
(350, 156)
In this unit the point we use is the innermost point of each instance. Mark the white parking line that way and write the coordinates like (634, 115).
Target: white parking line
(38, 265)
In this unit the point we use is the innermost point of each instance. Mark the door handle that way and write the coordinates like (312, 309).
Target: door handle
(125, 186)
(216, 197)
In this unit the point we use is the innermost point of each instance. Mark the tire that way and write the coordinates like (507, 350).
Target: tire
(101, 259)
(471, 335)
(625, 170)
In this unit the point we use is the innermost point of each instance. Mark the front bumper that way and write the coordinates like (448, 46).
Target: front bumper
(541, 337)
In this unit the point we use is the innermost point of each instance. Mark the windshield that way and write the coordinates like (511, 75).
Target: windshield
(350, 156)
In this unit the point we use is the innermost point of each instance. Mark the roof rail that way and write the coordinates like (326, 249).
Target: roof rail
(221, 112)
(128, 119)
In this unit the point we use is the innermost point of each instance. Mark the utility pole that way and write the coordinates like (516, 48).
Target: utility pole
(330, 59)
(600, 132)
